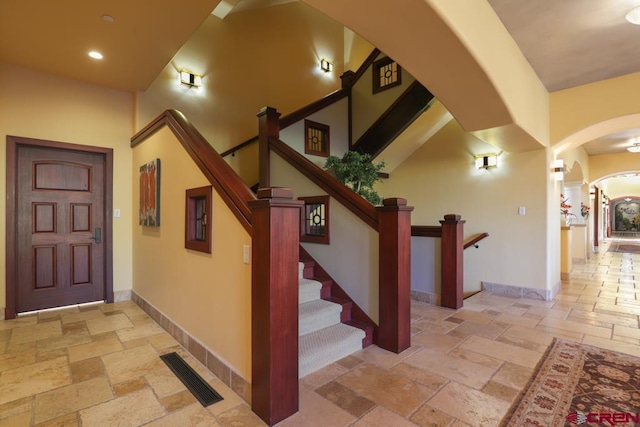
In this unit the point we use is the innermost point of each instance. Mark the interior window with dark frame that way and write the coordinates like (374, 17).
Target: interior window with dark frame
(198, 219)
(315, 219)
(386, 74)
(316, 138)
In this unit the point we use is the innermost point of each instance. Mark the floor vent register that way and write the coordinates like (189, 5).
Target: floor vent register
(205, 394)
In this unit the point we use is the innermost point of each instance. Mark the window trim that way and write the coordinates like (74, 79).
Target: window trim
(190, 241)
(304, 237)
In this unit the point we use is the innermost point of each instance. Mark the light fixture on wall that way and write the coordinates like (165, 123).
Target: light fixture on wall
(635, 148)
(486, 161)
(326, 65)
(190, 79)
(633, 16)
(557, 167)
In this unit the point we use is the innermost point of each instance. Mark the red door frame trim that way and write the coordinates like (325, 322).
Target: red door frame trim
(13, 142)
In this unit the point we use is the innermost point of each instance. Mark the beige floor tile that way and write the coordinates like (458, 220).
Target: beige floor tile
(80, 316)
(581, 328)
(162, 340)
(469, 405)
(427, 416)
(193, 416)
(612, 345)
(16, 407)
(133, 409)
(69, 420)
(489, 330)
(473, 316)
(142, 330)
(434, 341)
(395, 392)
(383, 358)
(511, 319)
(472, 356)
(522, 343)
(502, 351)
(500, 391)
(31, 333)
(163, 381)
(381, 417)
(94, 349)
(427, 379)
(241, 415)
(32, 379)
(463, 371)
(17, 359)
(19, 420)
(611, 308)
(314, 407)
(345, 398)
(512, 375)
(55, 343)
(108, 324)
(133, 363)
(71, 398)
(626, 331)
(323, 376)
(561, 333)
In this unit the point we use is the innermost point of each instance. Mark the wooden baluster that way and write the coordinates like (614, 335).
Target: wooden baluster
(268, 127)
(452, 267)
(394, 219)
(274, 304)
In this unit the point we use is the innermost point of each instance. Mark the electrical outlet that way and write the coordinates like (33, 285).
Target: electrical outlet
(522, 210)
(246, 254)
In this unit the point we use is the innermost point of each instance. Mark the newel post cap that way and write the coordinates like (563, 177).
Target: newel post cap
(275, 193)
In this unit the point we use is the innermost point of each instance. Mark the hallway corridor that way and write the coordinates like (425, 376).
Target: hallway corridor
(98, 365)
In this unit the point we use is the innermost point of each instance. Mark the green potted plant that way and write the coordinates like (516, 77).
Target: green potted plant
(357, 172)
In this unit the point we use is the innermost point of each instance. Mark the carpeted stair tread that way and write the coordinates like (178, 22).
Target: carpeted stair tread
(309, 290)
(325, 346)
(317, 314)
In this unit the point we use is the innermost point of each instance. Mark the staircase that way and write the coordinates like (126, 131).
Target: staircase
(327, 333)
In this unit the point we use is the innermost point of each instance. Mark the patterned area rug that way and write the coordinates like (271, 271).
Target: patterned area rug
(625, 248)
(577, 384)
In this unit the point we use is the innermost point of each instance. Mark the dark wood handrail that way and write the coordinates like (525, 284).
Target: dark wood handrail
(239, 146)
(426, 230)
(312, 108)
(475, 240)
(227, 183)
(365, 65)
(347, 197)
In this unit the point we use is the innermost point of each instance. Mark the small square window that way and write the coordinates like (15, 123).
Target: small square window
(316, 138)
(198, 219)
(315, 219)
(386, 74)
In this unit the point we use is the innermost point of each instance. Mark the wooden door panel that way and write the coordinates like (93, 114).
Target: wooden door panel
(60, 203)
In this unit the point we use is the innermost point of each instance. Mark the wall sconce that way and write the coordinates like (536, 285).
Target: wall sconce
(190, 79)
(326, 66)
(487, 161)
(557, 167)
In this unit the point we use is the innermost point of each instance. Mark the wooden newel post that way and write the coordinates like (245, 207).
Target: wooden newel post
(394, 227)
(452, 267)
(274, 303)
(268, 126)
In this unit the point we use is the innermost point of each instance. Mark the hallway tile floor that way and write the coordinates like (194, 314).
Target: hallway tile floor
(98, 365)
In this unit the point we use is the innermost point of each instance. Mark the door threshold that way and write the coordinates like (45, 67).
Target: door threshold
(64, 307)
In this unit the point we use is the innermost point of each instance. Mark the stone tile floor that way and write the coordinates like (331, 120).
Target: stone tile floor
(98, 365)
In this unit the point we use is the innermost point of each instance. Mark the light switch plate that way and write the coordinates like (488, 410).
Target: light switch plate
(246, 254)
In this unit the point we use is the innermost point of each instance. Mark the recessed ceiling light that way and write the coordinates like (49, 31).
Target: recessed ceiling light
(107, 18)
(633, 15)
(95, 55)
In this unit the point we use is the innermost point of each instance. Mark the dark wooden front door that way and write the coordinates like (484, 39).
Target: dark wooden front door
(60, 227)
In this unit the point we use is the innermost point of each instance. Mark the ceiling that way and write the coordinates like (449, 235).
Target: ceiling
(567, 42)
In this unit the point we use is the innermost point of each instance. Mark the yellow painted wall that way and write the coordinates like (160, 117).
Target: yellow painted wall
(587, 112)
(440, 178)
(209, 295)
(251, 59)
(605, 165)
(42, 106)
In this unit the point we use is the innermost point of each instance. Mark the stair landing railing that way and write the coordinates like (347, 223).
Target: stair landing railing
(452, 246)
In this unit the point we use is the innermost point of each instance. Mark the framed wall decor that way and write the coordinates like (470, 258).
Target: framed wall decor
(150, 194)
